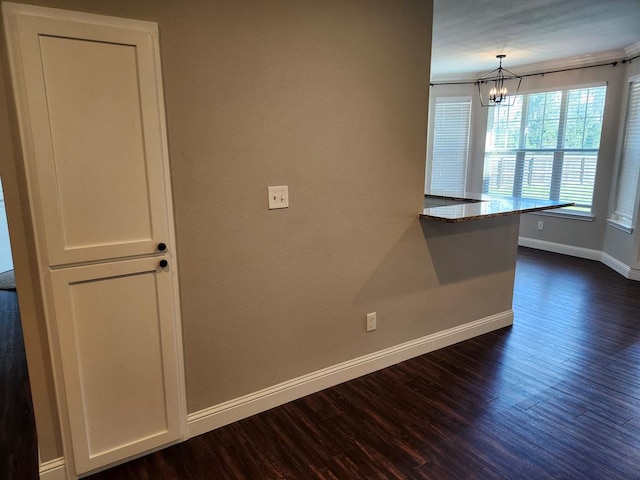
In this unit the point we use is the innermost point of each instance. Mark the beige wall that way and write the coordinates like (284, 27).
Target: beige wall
(330, 98)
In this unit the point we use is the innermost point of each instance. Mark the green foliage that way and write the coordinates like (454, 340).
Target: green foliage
(553, 133)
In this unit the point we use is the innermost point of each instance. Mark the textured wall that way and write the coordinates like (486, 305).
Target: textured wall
(329, 98)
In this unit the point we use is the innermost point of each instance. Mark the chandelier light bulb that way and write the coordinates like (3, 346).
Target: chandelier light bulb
(498, 93)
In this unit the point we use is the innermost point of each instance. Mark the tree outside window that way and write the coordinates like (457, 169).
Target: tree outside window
(546, 146)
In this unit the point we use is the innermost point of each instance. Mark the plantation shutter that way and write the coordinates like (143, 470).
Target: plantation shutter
(630, 159)
(581, 140)
(450, 145)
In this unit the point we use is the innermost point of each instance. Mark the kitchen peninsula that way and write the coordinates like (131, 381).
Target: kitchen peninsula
(472, 240)
(469, 206)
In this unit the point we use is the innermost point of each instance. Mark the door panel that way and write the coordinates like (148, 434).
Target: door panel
(88, 97)
(98, 149)
(99, 152)
(115, 322)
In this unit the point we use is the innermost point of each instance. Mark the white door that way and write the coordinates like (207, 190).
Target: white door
(117, 343)
(97, 155)
(88, 93)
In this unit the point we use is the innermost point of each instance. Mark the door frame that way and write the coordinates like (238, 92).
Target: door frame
(35, 299)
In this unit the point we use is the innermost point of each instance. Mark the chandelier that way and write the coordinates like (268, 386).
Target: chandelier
(494, 84)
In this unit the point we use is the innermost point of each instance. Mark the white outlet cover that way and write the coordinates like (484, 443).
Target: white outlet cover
(278, 197)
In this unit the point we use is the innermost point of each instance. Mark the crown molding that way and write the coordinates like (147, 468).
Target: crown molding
(574, 62)
(556, 64)
(632, 50)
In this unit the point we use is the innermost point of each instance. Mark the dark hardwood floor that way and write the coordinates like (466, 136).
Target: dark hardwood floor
(555, 396)
(18, 443)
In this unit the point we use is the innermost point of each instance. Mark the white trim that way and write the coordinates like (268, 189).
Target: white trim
(615, 264)
(622, 268)
(619, 225)
(563, 87)
(228, 412)
(555, 64)
(53, 470)
(564, 213)
(12, 8)
(571, 250)
(571, 62)
(632, 50)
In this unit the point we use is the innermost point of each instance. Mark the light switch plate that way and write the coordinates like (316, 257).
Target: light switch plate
(278, 197)
(372, 321)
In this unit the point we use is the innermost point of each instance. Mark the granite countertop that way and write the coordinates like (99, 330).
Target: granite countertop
(474, 206)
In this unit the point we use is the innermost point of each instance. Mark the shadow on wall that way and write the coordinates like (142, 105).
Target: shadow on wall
(454, 253)
(466, 250)
(439, 275)
(405, 270)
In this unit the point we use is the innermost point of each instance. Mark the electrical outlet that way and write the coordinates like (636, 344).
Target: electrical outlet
(278, 197)
(371, 322)
(540, 225)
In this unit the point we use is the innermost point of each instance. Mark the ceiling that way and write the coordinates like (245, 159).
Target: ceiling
(468, 34)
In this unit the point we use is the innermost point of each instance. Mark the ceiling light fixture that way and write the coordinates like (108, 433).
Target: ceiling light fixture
(494, 85)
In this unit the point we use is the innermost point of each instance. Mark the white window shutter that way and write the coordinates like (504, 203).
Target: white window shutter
(630, 160)
(450, 145)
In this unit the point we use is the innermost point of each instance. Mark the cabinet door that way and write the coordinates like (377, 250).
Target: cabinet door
(88, 96)
(118, 352)
(94, 134)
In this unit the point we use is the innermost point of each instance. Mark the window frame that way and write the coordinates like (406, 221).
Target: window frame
(558, 152)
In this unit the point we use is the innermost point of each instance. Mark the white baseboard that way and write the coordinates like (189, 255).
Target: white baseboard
(228, 412)
(260, 401)
(615, 264)
(622, 268)
(588, 253)
(554, 247)
(53, 470)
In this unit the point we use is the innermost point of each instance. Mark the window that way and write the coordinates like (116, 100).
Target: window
(545, 146)
(450, 144)
(629, 161)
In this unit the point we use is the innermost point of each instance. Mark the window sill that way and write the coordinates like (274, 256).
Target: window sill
(620, 226)
(568, 214)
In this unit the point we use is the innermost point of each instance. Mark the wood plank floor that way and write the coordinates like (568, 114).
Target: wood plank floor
(555, 396)
(18, 443)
